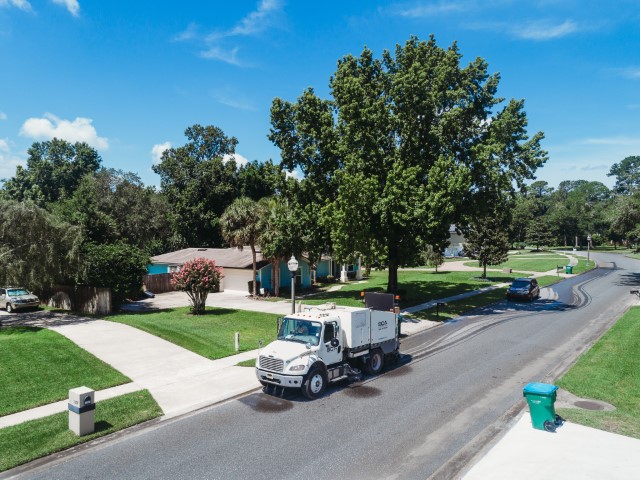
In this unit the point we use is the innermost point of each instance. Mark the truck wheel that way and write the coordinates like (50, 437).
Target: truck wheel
(375, 362)
(315, 385)
(9, 308)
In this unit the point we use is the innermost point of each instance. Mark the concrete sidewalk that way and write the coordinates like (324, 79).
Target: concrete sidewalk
(572, 452)
(179, 380)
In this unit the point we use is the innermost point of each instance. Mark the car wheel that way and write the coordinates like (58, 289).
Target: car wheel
(315, 385)
(375, 363)
(9, 308)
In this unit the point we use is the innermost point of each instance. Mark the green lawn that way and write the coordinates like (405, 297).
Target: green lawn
(609, 372)
(415, 286)
(583, 265)
(37, 438)
(530, 263)
(211, 335)
(459, 307)
(39, 366)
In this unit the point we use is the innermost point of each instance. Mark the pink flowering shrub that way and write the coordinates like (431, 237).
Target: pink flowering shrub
(198, 277)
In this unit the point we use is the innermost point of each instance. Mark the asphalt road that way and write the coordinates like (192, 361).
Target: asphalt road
(429, 415)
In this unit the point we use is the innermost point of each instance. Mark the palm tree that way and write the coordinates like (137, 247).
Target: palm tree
(271, 236)
(278, 235)
(240, 224)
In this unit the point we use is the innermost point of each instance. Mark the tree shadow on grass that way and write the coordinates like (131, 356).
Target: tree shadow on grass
(19, 330)
(339, 294)
(418, 292)
(180, 311)
(102, 426)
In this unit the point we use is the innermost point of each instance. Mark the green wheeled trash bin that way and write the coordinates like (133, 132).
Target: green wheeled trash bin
(541, 398)
(568, 269)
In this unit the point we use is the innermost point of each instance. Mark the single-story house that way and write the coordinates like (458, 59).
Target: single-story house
(237, 265)
(456, 243)
(328, 266)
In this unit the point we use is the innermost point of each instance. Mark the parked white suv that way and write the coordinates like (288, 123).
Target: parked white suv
(17, 298)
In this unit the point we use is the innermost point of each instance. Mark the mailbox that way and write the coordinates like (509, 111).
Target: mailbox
(81, 410)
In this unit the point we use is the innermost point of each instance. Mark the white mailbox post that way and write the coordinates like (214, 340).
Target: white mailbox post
(81, 410)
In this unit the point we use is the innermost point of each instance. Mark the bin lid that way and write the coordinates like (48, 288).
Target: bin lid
(539, 388)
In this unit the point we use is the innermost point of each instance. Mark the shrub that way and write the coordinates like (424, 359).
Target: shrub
(198, 277)
(331, 279)
(118, 266)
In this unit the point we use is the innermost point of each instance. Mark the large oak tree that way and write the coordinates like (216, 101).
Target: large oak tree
(199, 184)
(409, 144)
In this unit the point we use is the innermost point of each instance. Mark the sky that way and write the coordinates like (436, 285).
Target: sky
(128, 77)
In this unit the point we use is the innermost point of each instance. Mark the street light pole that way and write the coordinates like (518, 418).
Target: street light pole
(588, 247)
(292, 264)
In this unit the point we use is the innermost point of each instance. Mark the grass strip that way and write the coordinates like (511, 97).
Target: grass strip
(460, 307)
(211, 334)
(247, 363)
(456, 308)
(39, 366)
(529, 264)
(415, 286)
(37, 438)
(609, 372)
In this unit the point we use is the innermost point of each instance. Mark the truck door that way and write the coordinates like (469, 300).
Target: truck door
(329, 353)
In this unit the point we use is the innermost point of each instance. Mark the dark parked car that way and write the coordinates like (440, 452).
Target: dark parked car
(524, 288)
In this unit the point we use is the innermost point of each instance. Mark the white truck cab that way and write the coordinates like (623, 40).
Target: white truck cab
(325, 344)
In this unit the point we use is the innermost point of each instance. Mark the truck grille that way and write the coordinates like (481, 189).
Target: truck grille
(273, 364)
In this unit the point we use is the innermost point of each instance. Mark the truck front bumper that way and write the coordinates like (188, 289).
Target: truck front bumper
(291, 381)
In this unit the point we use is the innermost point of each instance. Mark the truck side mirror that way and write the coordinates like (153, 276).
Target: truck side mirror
(334, 342)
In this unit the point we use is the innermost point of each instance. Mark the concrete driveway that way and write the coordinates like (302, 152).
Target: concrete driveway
(233, 300)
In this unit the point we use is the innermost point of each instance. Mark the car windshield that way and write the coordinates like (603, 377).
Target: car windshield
(14, 292)
(520, 284)
(301, 331)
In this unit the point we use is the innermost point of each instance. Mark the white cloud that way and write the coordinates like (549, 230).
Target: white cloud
(422, 10)
(630, 72)
(230, 98)
(294, 174)
(217, 44)
(71, 5)
(157, 151)
(8, 161)
(216, 52)
(3, 116)
(544, 30)
(538, 30)
(620, 141)
(21, 4)
(256, 21)
(240, 160)
(190, 33)
(78, 130)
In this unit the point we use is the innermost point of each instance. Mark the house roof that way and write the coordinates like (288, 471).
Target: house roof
(224, 257)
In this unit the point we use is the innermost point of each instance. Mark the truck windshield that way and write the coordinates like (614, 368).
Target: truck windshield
(302, 331)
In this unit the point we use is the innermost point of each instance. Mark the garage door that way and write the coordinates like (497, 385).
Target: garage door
(236, 279)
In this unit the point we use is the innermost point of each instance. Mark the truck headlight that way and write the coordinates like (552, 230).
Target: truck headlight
(297, 368)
